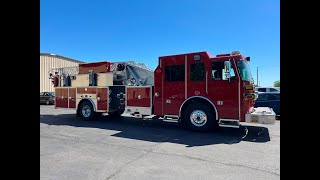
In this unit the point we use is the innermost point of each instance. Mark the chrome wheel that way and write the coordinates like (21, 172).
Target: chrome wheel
(198, 118)
(86, 111)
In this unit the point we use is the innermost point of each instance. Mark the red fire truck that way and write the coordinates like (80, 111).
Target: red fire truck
(198, 90)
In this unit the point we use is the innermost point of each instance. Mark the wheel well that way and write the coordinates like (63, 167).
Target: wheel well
(198, 99)
(85, 100)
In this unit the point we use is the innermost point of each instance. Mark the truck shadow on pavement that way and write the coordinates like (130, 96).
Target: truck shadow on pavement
(159, 131)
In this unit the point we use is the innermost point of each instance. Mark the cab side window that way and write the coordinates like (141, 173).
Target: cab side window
(174, 73)
(197, 71)
(218, 69)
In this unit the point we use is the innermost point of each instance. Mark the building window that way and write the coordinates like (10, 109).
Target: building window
(197, 71)
(174, 73)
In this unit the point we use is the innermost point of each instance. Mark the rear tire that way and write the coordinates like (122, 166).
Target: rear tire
(87, 112)
(199, 117)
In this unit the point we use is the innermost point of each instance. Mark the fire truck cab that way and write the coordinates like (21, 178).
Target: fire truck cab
(198, 90)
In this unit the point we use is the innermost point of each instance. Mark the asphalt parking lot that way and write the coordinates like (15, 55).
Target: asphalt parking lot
(130, 148)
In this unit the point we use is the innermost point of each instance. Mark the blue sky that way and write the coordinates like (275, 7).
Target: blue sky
(143, 30)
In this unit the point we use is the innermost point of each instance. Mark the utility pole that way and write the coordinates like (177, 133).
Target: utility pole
(257, 78)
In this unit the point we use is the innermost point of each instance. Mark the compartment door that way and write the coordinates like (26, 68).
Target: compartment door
(61, 97)
(72, 98)
(139, 100)
(102, 99)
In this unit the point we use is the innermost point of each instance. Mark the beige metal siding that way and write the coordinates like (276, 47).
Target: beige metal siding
(52, 61)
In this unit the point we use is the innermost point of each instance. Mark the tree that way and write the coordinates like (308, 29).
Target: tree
(276, 83)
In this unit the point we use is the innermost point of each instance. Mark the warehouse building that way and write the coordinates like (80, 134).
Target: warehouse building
(48, 61)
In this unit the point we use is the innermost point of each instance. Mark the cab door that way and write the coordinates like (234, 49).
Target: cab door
(222, 91)
(196, 81)
(173, 86)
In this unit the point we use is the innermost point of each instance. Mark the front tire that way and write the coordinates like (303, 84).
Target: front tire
(87, 112)
(199, 117)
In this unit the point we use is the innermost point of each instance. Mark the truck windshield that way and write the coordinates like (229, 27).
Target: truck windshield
(244, 70)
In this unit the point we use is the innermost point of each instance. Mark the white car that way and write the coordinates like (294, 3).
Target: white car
(267, 89)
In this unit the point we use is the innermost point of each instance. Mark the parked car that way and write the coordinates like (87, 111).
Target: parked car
(47, 97)
(269, 99)
(267, 89)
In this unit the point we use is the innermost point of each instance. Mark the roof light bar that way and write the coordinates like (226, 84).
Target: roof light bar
(235, 52)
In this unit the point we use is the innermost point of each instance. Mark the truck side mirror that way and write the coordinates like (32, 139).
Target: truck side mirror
(226, 70)
(227, 66)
